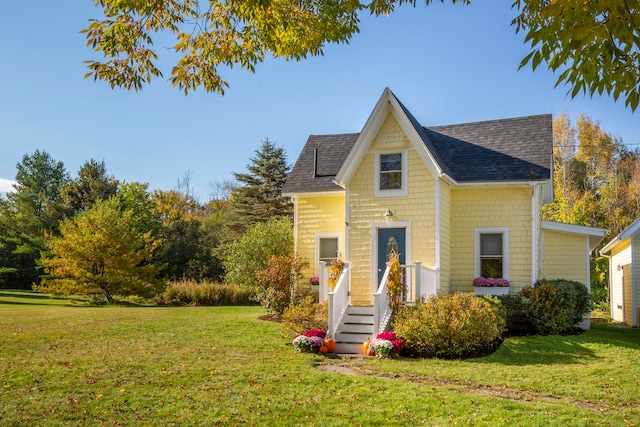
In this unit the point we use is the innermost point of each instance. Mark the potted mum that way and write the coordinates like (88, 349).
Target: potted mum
(490, 286)
(385, 345)
(315, 281)
(310, 341)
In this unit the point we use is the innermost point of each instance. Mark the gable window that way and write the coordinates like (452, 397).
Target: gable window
(391, 174)
(492, 253)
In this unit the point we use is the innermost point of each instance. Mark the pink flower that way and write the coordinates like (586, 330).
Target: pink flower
(490, 282)
(315, 333)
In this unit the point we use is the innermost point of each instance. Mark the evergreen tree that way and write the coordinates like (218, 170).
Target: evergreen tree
(259, 194)
(31, 215)
(91, 185)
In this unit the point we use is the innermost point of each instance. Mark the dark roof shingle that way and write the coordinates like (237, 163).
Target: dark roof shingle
(305, 177)
(517, 149)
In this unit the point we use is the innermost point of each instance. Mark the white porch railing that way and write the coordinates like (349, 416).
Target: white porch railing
(381, 311)
(338, 301)
(422, 282)
(323, 275)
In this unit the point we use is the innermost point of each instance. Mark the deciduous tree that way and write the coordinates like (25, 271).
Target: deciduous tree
(595, 45)
(100, 252)
(250, 254)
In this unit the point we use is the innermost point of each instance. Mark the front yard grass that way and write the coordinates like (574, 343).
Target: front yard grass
(66, 364)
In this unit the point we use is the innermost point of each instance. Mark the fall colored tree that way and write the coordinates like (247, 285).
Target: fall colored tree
(100, 252)
(596, 183)
(595, 46)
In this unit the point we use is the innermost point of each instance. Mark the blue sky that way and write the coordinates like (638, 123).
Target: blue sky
(447, 63)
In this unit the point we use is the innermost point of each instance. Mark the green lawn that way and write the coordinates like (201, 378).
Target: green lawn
(63, 363)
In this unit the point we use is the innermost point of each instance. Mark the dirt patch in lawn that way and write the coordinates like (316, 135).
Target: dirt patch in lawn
(350, 365)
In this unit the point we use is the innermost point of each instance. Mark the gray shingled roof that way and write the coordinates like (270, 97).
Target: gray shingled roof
(518, 149)
(332, 151)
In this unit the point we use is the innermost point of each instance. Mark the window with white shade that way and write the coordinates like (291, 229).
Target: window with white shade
(492, 252)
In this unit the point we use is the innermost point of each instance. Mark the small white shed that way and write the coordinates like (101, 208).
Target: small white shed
(624, 275)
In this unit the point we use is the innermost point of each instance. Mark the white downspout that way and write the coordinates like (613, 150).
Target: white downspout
(436, 197)
(534, 233)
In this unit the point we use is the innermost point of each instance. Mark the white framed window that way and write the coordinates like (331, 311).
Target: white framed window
(391, 172)
(327, 248)
(492, 252)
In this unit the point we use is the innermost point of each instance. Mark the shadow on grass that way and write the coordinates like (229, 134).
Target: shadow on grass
(548, 350)
(557, 349)
(24, 297)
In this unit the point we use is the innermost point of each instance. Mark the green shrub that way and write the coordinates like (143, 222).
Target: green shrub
(556, 305)
(303, 315)
(519, 314)
(451, 326)
(190, 292)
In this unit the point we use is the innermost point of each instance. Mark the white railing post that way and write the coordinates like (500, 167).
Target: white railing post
(381, 304)
(339, 300)
(418, 288)
(324, 286)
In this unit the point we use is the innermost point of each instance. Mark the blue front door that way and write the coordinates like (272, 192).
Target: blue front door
(390, 240)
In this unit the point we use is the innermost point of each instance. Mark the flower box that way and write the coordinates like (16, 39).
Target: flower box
(490, 290)
(490, 286)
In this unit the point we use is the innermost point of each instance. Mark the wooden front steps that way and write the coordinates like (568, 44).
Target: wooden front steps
(356, 327)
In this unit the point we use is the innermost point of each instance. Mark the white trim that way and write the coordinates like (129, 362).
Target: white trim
(437, 219)
(634, 305)
(385, 105)
(316, 249)
(534, 235)
(404, 189)
(295, 224)
(588, 255)
(316, 194)
(375, 226)
(347, 214)
(631, 230)
(505, 249)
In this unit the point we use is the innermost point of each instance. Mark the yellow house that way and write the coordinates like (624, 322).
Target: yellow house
(624, 275)
(455, 202)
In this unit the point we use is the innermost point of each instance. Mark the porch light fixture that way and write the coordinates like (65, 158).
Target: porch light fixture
(388, 215)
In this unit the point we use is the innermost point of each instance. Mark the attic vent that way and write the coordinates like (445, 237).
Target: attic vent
(315, 166)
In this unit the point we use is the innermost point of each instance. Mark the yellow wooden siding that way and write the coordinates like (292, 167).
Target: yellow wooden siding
(318, 214)
(620, 255)
(482, 208)
(365, 209)
(564, 257)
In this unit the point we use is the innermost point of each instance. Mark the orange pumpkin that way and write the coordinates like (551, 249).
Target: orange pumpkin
(365, 346)
(330, 344)
(370, 352)
(324, 349)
